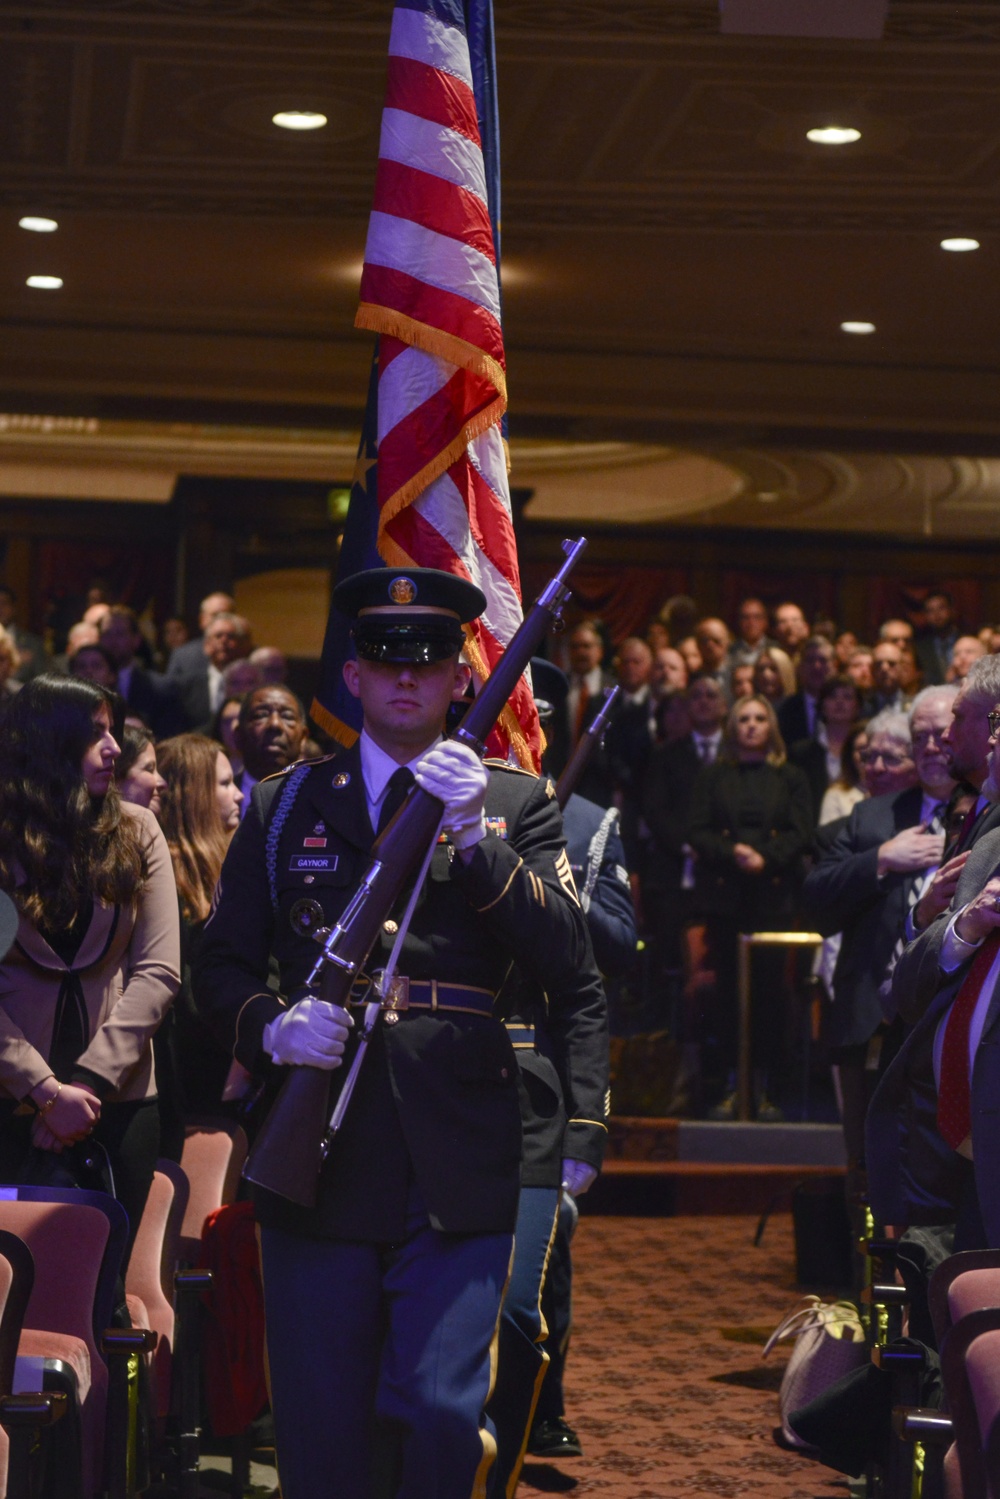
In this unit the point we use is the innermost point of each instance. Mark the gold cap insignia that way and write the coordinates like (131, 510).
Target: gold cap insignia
(402, 590)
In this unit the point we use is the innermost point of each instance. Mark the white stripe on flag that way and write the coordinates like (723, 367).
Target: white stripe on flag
(489, 458)
(407, 382)
(429, 147)
(435, 259)
(425, 38)
(442, 507)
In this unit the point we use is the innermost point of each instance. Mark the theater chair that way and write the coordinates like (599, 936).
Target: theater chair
(22, 1416)
(212, 1159)
(965, 1282)
(77, 1240)
(965, 1307)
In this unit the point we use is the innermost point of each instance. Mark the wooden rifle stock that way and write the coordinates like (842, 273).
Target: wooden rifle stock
(585, 751)
(288, 1151)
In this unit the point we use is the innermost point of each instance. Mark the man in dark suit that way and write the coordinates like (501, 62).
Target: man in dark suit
(932, 1140)
(799, 714)
(668, 877)
(182, 656)
(198, 675)
(869, 873)
(393, 1284)
(966, 741)
(148, 694)
(629, 739)
(935, 641)
(588, 682)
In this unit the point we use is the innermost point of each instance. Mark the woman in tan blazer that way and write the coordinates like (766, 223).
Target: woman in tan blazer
(96, 962)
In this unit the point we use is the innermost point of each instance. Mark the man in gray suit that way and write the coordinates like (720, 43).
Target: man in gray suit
(933, 1146)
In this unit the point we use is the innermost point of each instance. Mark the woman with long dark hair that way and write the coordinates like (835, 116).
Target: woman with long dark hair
(96, 961)
(199, 813)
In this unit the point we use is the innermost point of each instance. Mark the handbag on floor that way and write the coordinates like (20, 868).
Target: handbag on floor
(829, 1343)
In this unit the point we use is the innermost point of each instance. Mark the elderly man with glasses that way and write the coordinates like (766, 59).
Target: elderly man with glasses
(871, 869)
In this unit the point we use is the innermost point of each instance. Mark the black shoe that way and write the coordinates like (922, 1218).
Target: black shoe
(554, 1439)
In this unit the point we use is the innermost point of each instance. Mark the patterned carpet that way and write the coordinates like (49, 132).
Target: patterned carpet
(665, 1383)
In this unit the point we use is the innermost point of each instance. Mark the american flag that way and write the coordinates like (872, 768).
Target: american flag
(431, 290)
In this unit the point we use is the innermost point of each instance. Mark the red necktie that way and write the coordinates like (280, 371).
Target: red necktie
(954, 1101)
(967, 822)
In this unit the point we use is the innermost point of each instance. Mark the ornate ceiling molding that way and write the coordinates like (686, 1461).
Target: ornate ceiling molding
(921, 22)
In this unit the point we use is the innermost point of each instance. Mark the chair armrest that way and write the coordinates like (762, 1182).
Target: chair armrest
(919, 1424)
(123, 1340)
(32, 1411)
(885, 1295)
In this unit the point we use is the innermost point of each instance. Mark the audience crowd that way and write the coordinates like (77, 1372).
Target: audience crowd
(774, 776)
(780, 775)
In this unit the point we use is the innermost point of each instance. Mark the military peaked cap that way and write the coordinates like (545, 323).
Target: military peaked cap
(408, 614)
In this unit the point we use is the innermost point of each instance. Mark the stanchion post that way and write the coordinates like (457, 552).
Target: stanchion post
(747, 941)
(744, 1102)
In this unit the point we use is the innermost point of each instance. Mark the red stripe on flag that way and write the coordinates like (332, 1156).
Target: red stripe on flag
(419, 539)
(489, 521)
(400, 292)
(389, 348)
(407, 193)
(432, 94)
(421, 434)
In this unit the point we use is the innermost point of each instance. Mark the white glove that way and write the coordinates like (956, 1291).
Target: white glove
(310, 1034)
(577, 1176)
(456, 776)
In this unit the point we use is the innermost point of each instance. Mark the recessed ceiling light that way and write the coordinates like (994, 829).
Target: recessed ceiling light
(45, 283)
(299, 119)
(857, 327)
(37, 225)
(833, 135)
(958, 244)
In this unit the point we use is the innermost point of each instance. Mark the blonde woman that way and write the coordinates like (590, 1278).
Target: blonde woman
(751, 822)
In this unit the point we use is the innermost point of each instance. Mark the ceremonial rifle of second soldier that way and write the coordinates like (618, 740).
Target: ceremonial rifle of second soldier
(586, 748)
(293, 1140)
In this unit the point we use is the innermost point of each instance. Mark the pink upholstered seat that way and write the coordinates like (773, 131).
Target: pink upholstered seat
(6, 1282)
(148, 1305)
(973, 1290)
(68, 1243)
(212, 1161)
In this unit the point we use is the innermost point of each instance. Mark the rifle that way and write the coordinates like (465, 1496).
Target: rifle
(586, 749)
(293, 1140)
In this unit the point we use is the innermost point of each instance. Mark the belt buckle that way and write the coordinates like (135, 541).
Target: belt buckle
(396, 996)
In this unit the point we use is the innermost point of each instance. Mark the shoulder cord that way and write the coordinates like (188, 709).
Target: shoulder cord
(285, 802)
(595, 853)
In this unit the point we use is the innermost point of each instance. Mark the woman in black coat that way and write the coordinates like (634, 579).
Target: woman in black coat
(751, 823)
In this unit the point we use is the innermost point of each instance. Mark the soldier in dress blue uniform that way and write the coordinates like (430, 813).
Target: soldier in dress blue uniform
(382, 1302)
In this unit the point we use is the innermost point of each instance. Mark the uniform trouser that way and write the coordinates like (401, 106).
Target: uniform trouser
(388, 1344)
(522, 1361)
(557, 1307)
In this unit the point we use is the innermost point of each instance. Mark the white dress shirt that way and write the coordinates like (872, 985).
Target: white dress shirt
(246, 786)
(378, 768)
(214, 688)
(707, 745)
(594, 679)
